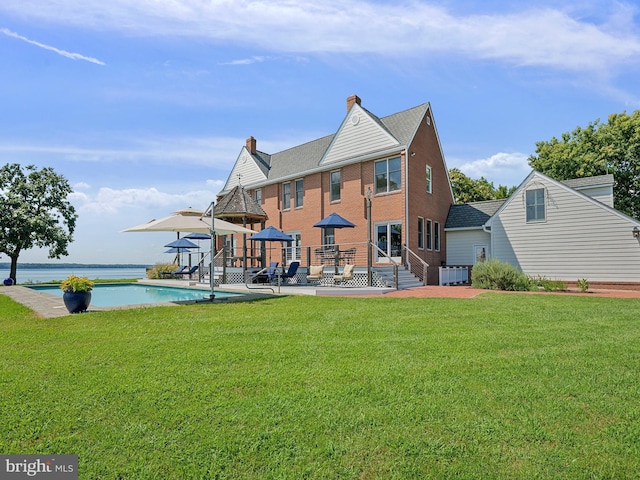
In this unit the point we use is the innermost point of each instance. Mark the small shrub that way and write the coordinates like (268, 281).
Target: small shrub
(555, 286)
(583, 285)
(153, 272)
(547, 285)
(496, 275)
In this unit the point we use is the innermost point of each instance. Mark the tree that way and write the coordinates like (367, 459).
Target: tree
(598, 149)
(466, 189)
(34, 212)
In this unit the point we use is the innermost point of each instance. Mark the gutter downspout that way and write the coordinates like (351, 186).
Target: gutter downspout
(406, 197)
(487, 229)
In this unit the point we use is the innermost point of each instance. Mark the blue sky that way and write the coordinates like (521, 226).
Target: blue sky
(144, 106)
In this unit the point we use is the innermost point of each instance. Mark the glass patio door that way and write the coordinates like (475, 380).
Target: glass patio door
(293, 249)
(389, 240)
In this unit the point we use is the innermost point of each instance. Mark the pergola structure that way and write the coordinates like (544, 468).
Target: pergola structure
(239, 207)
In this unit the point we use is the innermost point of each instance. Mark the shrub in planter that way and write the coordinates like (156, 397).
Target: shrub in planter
(496, 275)
(77, 293)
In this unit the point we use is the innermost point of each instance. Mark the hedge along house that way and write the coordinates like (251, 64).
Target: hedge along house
(392, 166)
(565, 230)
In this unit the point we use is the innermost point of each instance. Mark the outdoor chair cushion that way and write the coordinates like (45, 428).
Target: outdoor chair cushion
(315, 272)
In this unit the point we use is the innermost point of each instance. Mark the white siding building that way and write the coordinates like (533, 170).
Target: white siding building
(559, 230)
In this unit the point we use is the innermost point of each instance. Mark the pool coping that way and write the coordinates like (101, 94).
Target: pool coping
(46, 305)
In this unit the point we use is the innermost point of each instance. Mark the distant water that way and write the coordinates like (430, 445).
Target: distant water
(42, 275)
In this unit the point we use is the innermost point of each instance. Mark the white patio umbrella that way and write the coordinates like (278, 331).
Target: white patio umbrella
(192, 220)
(189, 220)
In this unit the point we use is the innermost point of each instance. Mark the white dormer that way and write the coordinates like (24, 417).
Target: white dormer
(245, 171)
(359, 134)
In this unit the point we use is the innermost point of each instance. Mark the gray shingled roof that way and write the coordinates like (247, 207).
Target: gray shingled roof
(238, 204)
(475, 214)
(577, 183)
(298, 159)
(306, 157)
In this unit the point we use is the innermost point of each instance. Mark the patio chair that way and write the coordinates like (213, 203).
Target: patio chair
(316, 273)
(264, 275)
(291, 271)
(189, 272)
(347, 274)
(178, 271)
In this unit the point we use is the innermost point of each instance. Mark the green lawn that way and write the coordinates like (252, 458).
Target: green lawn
(499, 386)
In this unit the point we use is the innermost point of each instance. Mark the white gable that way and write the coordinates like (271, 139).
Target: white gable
(245, 171)
(579, 237)
(359, 134)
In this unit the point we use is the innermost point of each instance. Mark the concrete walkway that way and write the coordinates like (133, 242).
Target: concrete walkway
(45, 305)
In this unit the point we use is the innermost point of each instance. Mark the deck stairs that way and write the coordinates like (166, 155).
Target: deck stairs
(406, 279)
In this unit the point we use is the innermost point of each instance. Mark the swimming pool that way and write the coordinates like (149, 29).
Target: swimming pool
(119, 294)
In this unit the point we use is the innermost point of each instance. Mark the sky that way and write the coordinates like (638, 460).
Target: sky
(144, 106)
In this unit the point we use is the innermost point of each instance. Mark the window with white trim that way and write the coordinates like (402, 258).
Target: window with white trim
(436, 236)
(388, 175)
(257, 196)
(535, 205)
(420, 233)
(429, 232)
(286, 196)
(334, 189)
(299, 192)
(429, 181)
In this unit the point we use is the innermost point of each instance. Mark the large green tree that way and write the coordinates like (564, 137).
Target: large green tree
(600, 148)
(34, 212)
(466, 189)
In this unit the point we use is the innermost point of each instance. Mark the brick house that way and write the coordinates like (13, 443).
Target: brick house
(398, 158)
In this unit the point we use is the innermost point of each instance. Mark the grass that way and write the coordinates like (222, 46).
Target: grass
(500, 386)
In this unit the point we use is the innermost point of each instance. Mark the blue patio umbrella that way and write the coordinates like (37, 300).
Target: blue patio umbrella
(334, 221)
(182, 243)
(198, 236)
(271, 234)
(177, 250)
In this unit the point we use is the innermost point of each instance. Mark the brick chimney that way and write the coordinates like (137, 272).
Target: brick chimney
(351, 100)
(251, 145)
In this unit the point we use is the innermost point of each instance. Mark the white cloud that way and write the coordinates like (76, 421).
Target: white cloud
(559, 37)
(64, 53)
(246, 61)
(212, 152)
(501, 168)
(112, 201)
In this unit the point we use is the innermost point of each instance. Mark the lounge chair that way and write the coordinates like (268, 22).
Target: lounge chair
(347, 274)
(291, 271)
(316, 273)
(178, 271)
(264, 275)
(189, 272)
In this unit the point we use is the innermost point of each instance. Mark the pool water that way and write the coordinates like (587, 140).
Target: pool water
(118, 294)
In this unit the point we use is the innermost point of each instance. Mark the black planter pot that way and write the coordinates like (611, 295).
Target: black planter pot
(76, 302)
